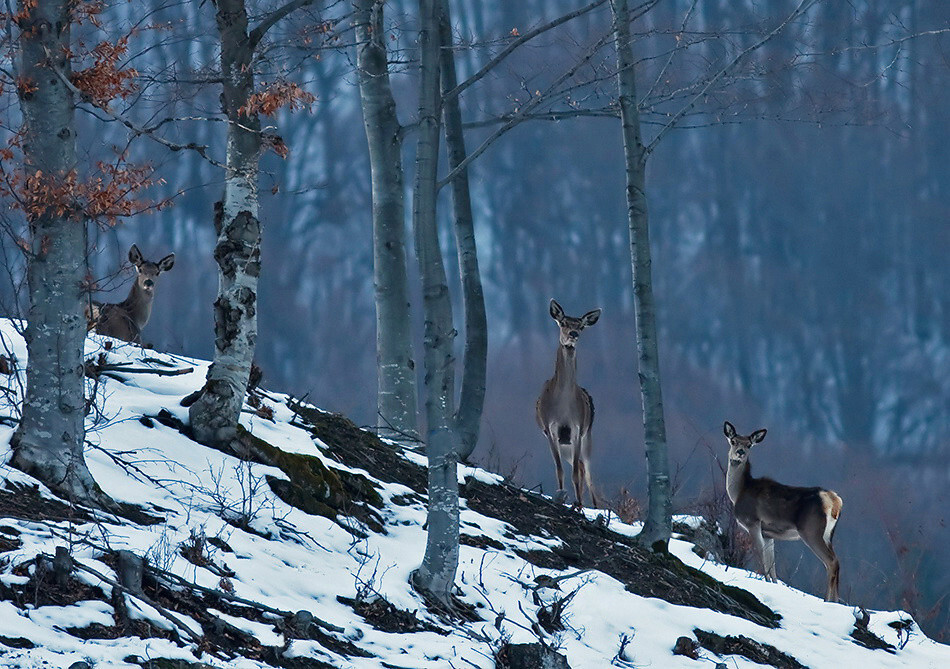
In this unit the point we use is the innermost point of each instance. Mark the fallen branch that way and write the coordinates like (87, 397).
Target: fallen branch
(125, 369)
(174, 579)
(146, 599)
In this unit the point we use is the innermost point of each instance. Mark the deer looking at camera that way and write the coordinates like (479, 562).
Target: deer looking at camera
(565, 411)
(125, 320)
(768, 510)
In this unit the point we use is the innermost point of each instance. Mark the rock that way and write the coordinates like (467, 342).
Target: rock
(530, 656)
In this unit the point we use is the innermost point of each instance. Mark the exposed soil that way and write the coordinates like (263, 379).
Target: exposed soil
(868, 639)
(16, 642)
(762, 653)
(589, 545)
(25, 502)
(385, 617)
(586, 545)
(358, 448)
(44, 589)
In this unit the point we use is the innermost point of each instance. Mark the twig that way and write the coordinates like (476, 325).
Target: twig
(531, 34)
(200, 149)
(257, 34)
(522, 111)
(800, 10)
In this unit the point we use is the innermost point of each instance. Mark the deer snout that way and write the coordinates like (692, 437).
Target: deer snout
(573, 334)
(148, 283)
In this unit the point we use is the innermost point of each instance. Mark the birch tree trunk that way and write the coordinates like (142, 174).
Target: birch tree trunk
(396, 382)
(214, 415)
(436, 575)
(657, 528)
(468, 417)
(48, 443)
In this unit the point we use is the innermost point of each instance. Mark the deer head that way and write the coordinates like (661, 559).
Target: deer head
(740, 446)
(571, 328)
(147, 272)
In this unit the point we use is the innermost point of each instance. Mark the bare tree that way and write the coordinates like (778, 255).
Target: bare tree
(436, 575)
(656, 531)
(396, 375)
(472, 393)
(48, 443)
(214, 414)
(657, 528)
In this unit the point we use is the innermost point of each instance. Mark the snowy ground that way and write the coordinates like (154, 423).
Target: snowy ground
(302, 562)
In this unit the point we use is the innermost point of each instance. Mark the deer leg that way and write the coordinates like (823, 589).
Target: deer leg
(755, 531)
(816, 542)
(577, 477)
(768, 559)
(585, 462)
(556, 452)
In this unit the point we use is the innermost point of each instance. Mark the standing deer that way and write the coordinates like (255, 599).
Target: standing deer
(126, 319)
(565, 411)
(768, 510)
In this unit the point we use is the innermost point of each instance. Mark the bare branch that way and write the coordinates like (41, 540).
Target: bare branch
(800, 10)
(531, 34)
(200, 149)
(258, 33)
(525, 110)
(602, 112)
(679, 46)
(882, 45)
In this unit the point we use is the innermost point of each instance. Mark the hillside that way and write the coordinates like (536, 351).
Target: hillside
(298, 553)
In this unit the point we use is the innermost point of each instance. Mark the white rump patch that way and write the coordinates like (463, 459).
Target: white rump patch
(831, 505)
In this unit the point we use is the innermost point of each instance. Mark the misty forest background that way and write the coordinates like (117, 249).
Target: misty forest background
(800, 230)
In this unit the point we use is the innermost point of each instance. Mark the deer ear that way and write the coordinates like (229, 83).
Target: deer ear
(135, 256)
(166, 263)
(590, 317)
(757, 436)
(729, 430)
(557, 313)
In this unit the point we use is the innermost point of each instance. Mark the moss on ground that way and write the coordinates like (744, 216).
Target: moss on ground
(311, 486)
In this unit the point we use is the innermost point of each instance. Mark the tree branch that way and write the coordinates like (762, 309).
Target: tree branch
(200, 149)
(801, 9)
(531, 34)
(524, 111)
(258, 33)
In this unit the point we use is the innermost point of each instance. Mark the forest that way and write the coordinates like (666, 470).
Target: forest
(371, 204)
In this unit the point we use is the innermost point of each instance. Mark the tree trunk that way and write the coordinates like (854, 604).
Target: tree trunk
(396, 382)
(437, 572)
(656, 530)
(48, 443)
(214, 416)
(472, 397)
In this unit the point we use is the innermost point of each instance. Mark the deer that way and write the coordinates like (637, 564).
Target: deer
(565, 411)
(126, 319)
(769, 510)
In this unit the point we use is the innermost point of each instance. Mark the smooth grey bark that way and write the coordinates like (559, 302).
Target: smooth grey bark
(396, 381)
(658, 525)
(48, 443)
(436, 575)
(468, 417)
(214, 415)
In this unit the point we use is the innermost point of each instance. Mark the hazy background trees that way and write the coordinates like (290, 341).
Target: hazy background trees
(800, 267)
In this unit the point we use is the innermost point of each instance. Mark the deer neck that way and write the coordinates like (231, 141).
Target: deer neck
(138, 305)
(737, 479)
(565, 368)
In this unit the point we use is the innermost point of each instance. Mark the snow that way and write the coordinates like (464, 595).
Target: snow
(303, 562)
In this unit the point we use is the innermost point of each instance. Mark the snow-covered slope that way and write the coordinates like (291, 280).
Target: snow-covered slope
(221, 525)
